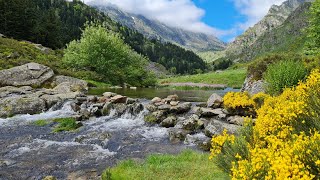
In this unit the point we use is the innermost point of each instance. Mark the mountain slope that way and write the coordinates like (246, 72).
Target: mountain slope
(287, 37)
(54, 23)
(276, 16)
(156, 30)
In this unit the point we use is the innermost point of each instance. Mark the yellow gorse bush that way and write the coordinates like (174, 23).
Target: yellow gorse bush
(286, 135)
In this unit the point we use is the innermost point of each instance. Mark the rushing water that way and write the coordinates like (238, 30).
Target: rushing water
(28, 151)
(149, 93)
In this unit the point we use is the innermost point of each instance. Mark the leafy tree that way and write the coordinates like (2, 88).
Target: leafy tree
(313, 31)
(106, 53)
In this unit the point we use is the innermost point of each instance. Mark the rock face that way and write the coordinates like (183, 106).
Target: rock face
(69, 84)
(276, 16)
(253, 86)
(31, 74)
(214, 101)
(21, 105)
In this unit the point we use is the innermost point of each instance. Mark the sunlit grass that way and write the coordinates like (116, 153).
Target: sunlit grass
(188, 165)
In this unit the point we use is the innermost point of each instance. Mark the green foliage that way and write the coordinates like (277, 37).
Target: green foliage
(232, 78)
(66, 124)
(150, 119)
(259, 66)
(222, 64)
(105, 52)
(40, 123)
(313, 31)
(188, 165)
(284, 74)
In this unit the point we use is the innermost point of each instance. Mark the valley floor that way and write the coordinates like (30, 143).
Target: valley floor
(231, 78)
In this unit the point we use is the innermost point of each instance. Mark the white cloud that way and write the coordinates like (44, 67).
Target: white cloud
(253, 10)
(177, 13)
(186, 15)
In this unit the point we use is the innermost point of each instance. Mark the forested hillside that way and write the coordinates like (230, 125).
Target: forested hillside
(54, 23)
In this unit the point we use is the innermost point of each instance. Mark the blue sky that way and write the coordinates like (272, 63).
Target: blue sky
(221, 14)
(224, 19)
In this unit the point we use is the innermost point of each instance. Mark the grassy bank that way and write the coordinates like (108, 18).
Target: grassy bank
(187, 165)
(232, 78)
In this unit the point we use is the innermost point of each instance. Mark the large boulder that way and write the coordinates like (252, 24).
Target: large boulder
(214, 101)
(69, 84)
(169, 122)
(118, 99)
(207, 112)
(253, 86)
(181, 108)
(216, 127)
(193, 123)
(31, 74)
(21, 105)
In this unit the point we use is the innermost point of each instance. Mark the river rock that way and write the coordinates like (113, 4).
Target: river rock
(174, 103)
(181, 108)
(207, 112)
(237, 120)
(216, 127)
(253, 86)
(169, 122)
(106, 109)
(164, 107)
(151, 107)
(109, 94)
(156, 100)
(131, 101)
(73, 83)
(21, 105)
(193, 123)
(31, 74)
(214, 101)
(118, 99)
(120, 108)
(200, 139)
(177, 135)
(8, 91)
(173, 97)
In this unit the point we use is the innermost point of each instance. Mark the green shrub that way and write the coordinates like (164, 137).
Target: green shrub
(260, 65)
(66, 124)
(105, 53)
(284, 74)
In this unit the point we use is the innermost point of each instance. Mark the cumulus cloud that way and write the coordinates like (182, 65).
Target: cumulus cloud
(186, 15)
(253, 10)
(177, 13)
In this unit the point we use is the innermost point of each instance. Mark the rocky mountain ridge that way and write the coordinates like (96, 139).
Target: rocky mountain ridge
(276, 16)
(154, 29)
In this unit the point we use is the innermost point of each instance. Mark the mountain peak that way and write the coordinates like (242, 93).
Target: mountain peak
(154, 29)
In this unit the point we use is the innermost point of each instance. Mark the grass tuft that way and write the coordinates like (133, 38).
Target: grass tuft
(66, 124)
(41, 122)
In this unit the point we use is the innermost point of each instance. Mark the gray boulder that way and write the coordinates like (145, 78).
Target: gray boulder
(69, 84)
(181, 108)
(31, 74)
(237, 120)
(193, 123)
(214, 101)
(253, 86)
(216, 127)
(207, 112)
(169, 122)
(118, 99)
(21, 105)
(177, 135)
